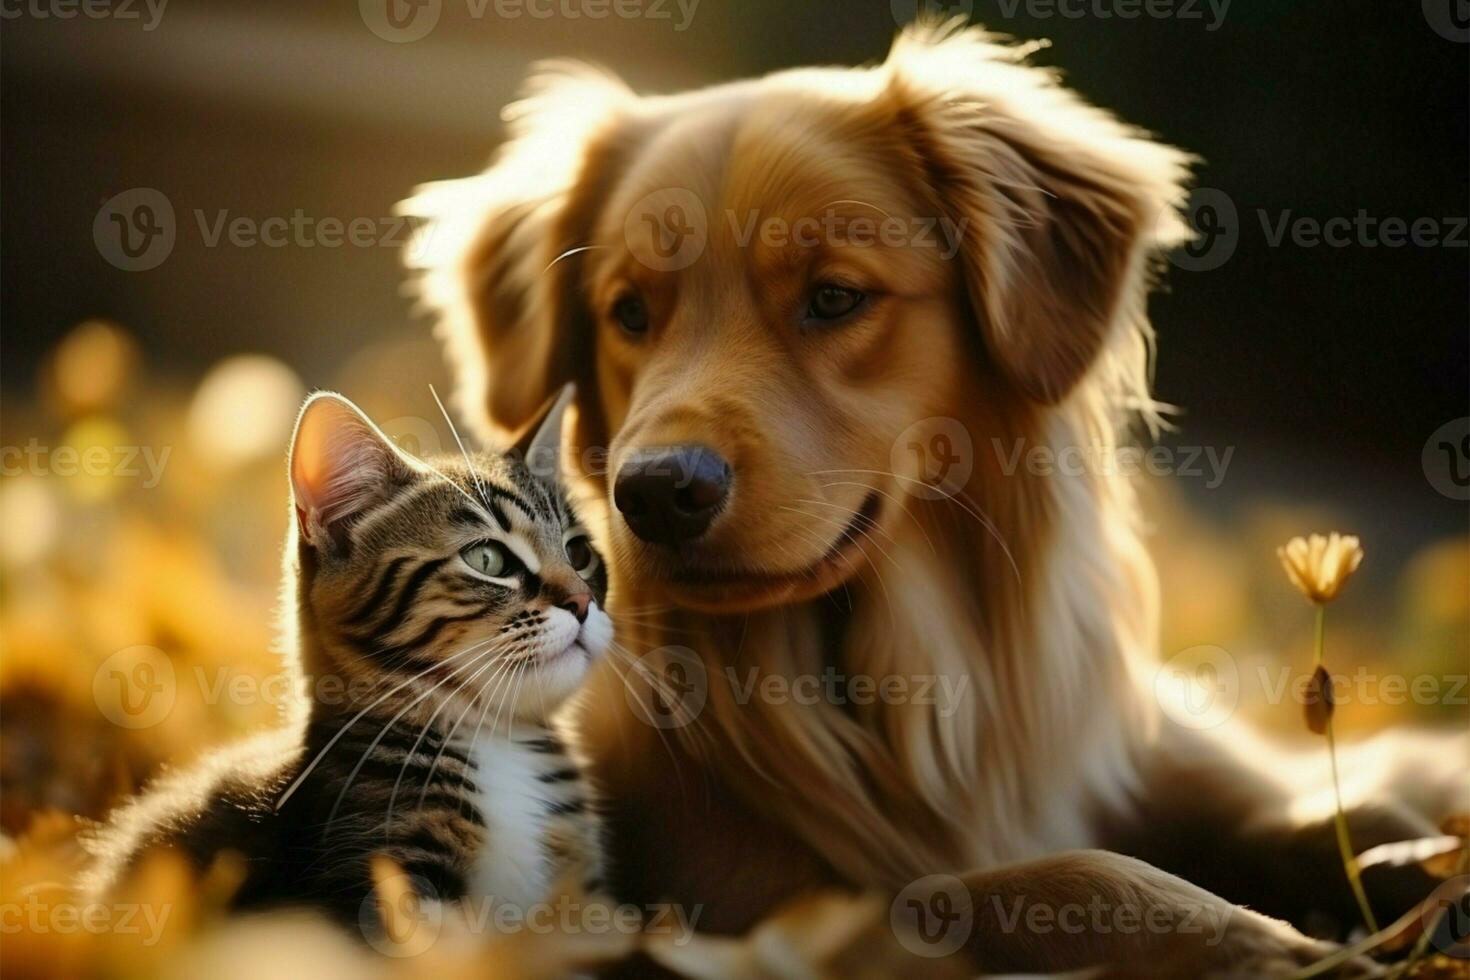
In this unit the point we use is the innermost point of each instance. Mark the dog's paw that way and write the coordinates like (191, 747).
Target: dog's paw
(1257, 946)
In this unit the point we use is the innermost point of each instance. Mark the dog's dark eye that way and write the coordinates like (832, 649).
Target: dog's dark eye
(831, 302)
(631, 314)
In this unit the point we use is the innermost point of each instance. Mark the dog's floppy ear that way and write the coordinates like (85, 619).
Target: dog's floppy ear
(1059, 208)
(498, 251)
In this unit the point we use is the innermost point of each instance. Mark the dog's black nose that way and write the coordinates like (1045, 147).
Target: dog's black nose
(669, 496)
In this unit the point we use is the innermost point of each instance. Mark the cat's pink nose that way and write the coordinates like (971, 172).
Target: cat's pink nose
(577, 605)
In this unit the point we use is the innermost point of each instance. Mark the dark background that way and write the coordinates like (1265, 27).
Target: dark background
(1328, 367)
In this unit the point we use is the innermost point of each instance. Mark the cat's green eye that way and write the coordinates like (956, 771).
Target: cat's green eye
(488, 558)
(580, 554)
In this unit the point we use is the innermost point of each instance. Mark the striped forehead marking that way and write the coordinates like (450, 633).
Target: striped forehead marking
(500, 524)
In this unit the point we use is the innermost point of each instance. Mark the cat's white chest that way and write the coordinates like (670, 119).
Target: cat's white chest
(513, 865)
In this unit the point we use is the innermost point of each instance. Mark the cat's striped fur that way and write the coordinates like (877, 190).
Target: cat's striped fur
(444, 609)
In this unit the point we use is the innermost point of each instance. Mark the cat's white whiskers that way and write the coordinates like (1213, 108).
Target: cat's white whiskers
(577, 250)
(377, 740)
(515, 697)
(616, 650)
(487, 664)
(454, 431)
(502, 686)
(316, 760)
(540, 693)
(657, 689)
(502, 667)
(490, 694)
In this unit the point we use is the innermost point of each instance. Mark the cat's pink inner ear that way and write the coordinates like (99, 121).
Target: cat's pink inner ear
(340, 463)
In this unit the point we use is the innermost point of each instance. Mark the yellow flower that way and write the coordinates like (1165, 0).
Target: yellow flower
(1320, 566)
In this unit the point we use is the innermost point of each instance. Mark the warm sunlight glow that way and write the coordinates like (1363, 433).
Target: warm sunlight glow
(92, 365)
(243, 410)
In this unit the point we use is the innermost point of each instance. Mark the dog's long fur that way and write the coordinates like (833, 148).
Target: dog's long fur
(1035, 590)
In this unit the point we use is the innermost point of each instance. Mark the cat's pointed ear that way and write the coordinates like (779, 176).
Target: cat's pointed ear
(539, 446)
(341, 464)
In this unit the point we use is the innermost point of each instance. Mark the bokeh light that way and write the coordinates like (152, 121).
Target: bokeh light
(98, 458)
(243, 411)
(29, 515)
(92, 365)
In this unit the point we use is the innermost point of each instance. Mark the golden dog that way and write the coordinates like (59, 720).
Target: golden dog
(787, 304)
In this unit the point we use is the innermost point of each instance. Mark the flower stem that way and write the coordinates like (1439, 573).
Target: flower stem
(1344, 842)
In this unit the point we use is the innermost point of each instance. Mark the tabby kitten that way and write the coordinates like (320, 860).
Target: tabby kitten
(444, 608)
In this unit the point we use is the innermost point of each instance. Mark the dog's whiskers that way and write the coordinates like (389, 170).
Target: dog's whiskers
(959, 497)
(890, 497)
(859, 522)
(845, 533)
